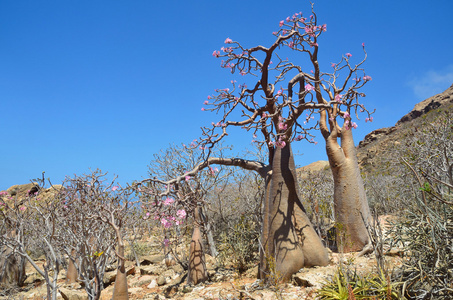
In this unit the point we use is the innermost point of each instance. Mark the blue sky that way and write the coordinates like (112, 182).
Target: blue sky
(106, 84)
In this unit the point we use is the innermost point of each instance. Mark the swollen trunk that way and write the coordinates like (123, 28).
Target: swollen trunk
(197, 265)
(288, 238)
(352, 213)
(120, 289)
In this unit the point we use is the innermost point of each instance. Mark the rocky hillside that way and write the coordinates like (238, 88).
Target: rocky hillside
(378, 142)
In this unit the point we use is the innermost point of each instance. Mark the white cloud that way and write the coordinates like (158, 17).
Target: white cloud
(432, 82)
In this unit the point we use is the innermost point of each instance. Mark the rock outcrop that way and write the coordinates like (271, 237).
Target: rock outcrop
(436, 101)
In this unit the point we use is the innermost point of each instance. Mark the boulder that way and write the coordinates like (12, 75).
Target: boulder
(68, 294)
(152, 259)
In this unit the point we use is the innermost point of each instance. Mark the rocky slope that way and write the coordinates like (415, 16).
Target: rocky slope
(378, 142)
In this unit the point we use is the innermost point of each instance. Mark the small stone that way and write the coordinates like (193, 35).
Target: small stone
(153, 284)
(161, 280)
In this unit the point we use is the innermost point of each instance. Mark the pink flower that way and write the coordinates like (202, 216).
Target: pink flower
(280, 144)
(216, 53)
(291, 44)
(114, 188)
(346, 115)
(206, 102)
(282, 126)
(324, 27)
(348, 55)
(202, 109)
(338, 98)
(369, 119)
(22, 208)
(228, 41)
(354, 125)
(281, 23)
(333, 65)
(367, 78)
(187, 178)
(309, 87)
(181, 213)
(169, 201)
(165, 223)
(242, 73)
(363, 44)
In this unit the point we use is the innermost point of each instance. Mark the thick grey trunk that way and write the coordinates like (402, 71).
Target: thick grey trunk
(197, 263)
(71, 273)
(288, 238)
(352, 213)
(120, 291)
(209, 235)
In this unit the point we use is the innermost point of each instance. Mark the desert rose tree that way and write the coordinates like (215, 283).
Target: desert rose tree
(338, 90)
(169, 201)
(277, 106)
(352, 213)
(91, 218)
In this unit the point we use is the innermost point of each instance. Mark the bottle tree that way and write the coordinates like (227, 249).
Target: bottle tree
(169, 198)
(276, 108)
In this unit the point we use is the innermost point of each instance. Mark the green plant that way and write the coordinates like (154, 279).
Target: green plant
(344, 285)
(239, 244)
(349, 285)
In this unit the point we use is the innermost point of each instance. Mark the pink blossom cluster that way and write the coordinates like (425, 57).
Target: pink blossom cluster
(3, 193)
(367, 78)
(181, 213)
(227, 49)
(338, 98)
(369, 119)
(298, 138)
(280, 143)
(168, 221)
(309, 87)
(348, 125)
(282, 126)
(169, 201)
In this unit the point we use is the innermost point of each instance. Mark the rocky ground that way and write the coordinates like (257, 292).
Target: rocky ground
(154, 280)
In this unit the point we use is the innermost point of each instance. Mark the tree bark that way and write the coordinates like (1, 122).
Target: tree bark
(71, 273)
(288, 238)
(197, 264)
(12, 267)
(352, 213)
(120, 291)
